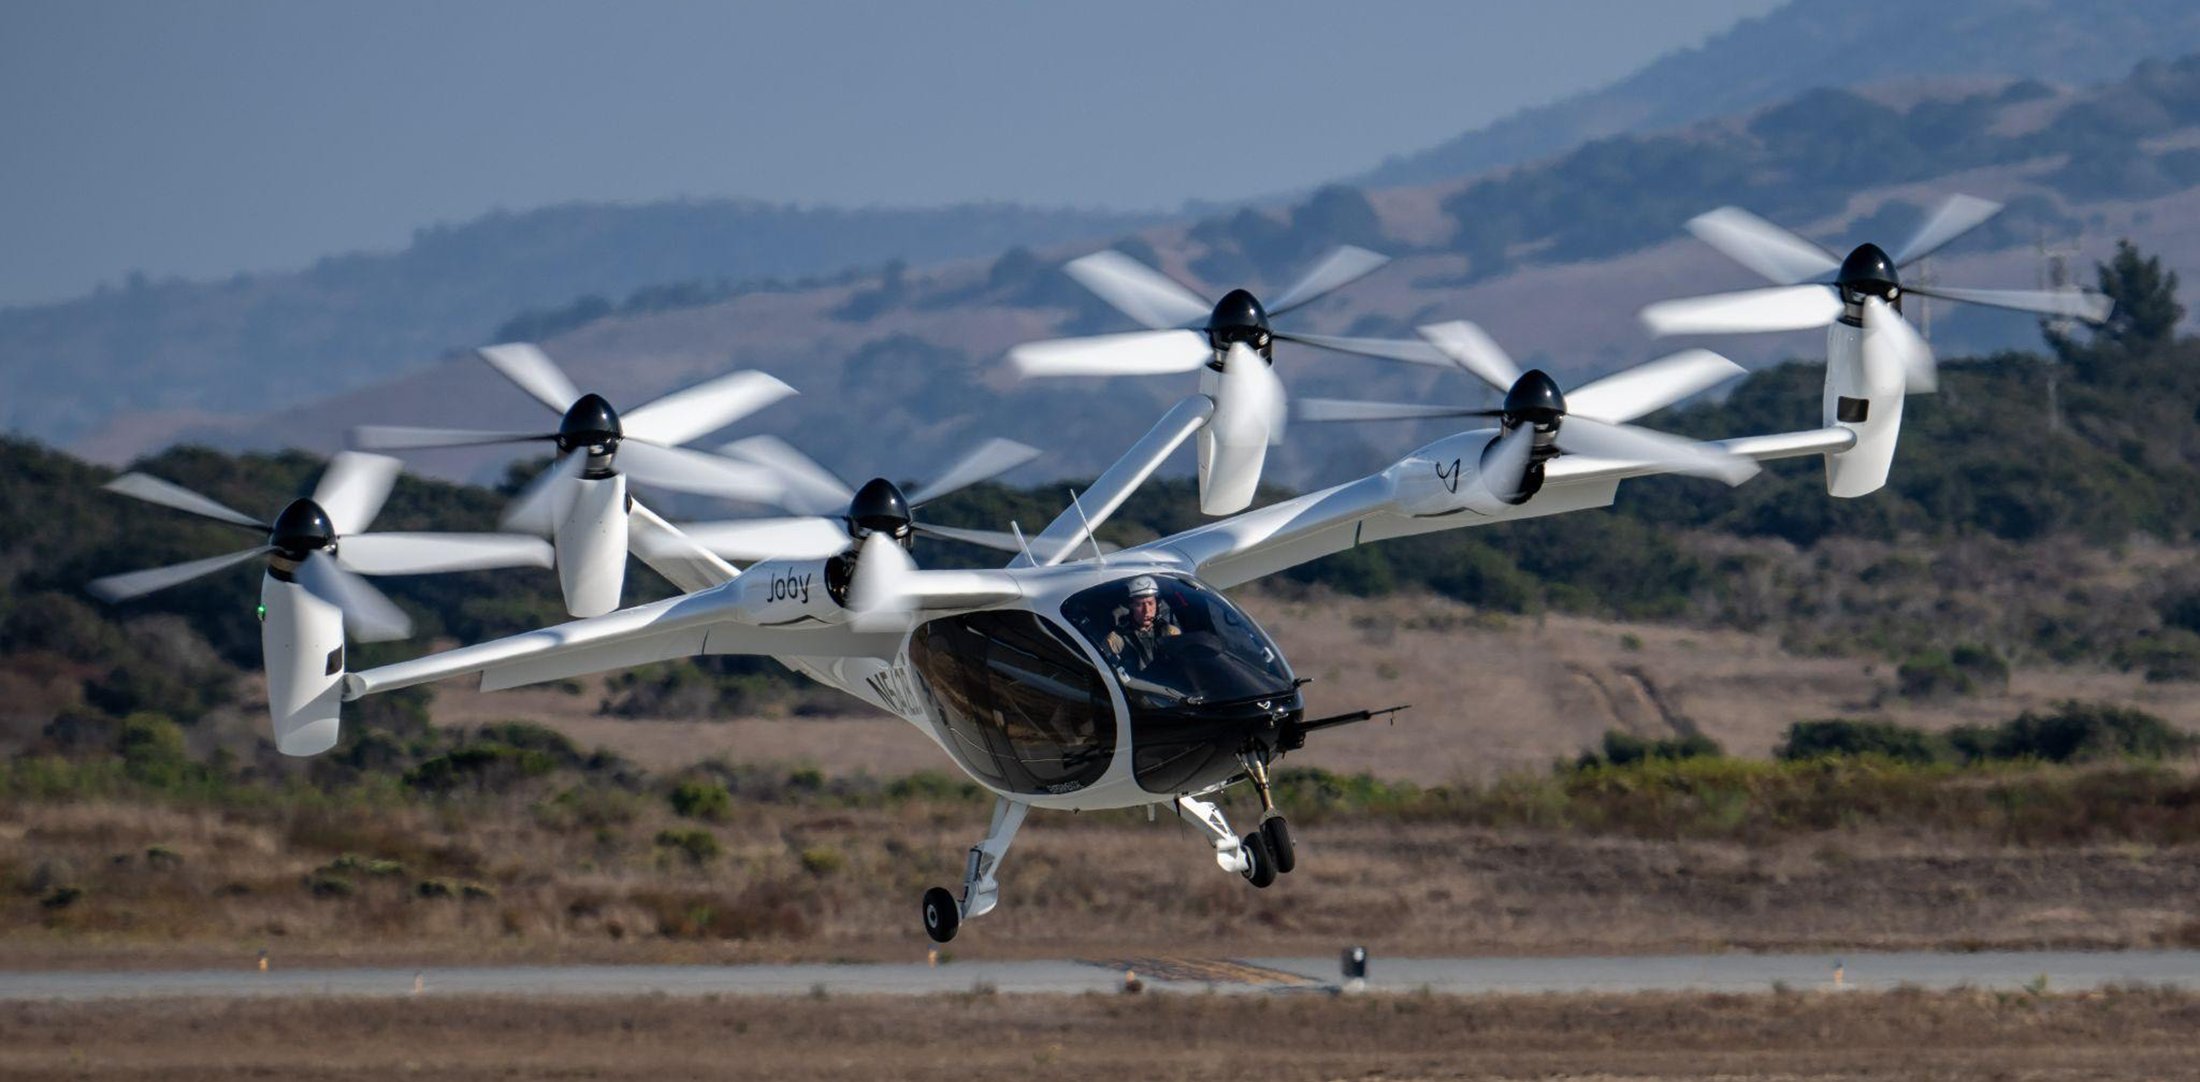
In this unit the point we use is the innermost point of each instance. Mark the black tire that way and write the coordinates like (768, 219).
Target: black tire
(1278, 834)
(1262, 870)
(942, 915)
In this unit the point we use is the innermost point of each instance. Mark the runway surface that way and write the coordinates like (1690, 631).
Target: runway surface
(2063, 971)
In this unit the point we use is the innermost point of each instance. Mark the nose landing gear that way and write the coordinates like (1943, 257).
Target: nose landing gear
(1260, 856)
(1275, 833)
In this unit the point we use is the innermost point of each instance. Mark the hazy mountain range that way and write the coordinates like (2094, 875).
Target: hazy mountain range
(893, 322)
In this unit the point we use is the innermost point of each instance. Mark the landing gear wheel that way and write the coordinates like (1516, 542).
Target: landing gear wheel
(1277, 834)
(1260, 867)
(941, 914)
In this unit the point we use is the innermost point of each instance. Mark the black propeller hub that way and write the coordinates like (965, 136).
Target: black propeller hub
(879, 507)
(589, 423)
(1535, 398)
(1239, 317)
(1867, 272)
(301, 530)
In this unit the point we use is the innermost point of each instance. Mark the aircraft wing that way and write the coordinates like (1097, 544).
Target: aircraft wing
(1401, 501)
(697, 623)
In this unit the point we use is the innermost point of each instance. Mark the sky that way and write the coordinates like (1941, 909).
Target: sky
(204, 137)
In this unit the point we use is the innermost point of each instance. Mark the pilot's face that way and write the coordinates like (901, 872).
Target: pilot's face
(1143, 611)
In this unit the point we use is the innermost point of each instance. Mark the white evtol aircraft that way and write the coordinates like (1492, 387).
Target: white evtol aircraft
(1073, 678)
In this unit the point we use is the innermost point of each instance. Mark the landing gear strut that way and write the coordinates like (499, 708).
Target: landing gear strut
(1274, 831)
(943, 915)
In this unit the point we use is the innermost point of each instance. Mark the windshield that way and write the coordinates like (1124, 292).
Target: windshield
(1173, 642)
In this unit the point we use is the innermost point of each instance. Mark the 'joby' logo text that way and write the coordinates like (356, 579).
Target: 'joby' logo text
(789, 588)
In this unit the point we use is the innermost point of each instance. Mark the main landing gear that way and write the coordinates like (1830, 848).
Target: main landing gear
(943, 915)
(1259, 856)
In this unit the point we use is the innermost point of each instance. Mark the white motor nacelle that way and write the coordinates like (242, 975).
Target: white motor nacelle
(1446, 476)
(591, 546)
(1865, 384)
(302, 643)
(1233, 445)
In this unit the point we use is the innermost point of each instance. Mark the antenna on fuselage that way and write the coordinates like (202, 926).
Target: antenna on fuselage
(1026, 545)
(1098, 556)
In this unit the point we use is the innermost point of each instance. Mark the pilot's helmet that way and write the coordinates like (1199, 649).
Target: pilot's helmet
(1144, 586)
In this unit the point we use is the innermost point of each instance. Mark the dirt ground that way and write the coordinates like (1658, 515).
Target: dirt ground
(2120, 1034)
(1490, 693)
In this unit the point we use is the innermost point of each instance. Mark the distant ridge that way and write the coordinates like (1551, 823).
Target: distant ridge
(1801, 46)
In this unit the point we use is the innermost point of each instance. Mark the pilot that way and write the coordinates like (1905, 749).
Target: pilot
(1139, 628)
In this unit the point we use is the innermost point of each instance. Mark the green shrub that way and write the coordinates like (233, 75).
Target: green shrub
(823, 860)
(1841, 737)
(699, 846)
(1966, 670)
(152, 750)
(701, 800)
(1624, 749)
(2075, 732)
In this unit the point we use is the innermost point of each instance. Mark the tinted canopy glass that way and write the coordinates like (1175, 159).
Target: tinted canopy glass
(1022, 707)
(1192, 648)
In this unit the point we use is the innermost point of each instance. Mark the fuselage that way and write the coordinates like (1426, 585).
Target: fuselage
(1062, 699)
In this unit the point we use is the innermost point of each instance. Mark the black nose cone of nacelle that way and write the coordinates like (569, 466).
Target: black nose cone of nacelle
(1535, 397)
(589, 422)
(879, 507)
(301, 529)
(1238, 317)
(1868, 271)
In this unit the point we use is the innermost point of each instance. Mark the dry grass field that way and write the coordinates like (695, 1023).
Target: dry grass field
(1491, 693)
(162, 887)
(2119, 1034)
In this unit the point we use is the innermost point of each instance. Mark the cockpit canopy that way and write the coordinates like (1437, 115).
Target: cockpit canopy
(1199, 649)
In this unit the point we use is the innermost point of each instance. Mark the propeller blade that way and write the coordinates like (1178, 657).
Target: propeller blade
(1762, 246)
(1252, 399)
(1337, 270)
(983, 463)
(811, 488)
(1392, 349)
(1648, 388)
(168, 494)
(1505, 467)
(1249, 415)
(1344, 409)
(992, 539)
(879, 593)
(1139, 353)
(2073, 303)
(1787, 308)
(1472, 349)
(1627, 443)
(694, 471)
(704, 408)
(369, 613)
(1884, 328)
(427, 553)
(526, 365)
(400, 438)
(122, 587)
(1956, 215)
(1152, 298)
(353, 488)
(543, 503)
(749, 540)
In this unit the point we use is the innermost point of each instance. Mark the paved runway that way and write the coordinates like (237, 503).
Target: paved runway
(2063, 970)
